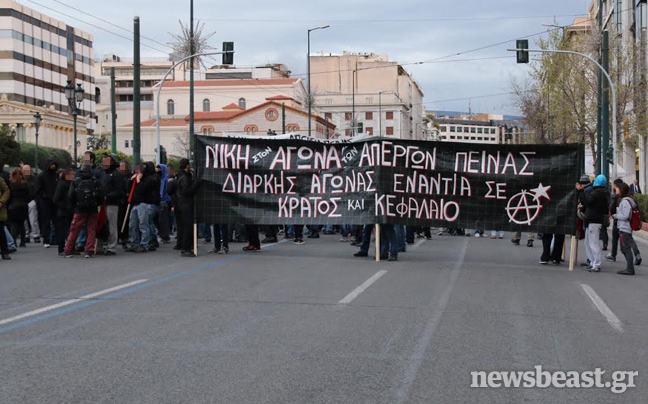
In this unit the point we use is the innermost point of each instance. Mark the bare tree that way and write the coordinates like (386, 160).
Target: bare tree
(181, 143)
(181, 43)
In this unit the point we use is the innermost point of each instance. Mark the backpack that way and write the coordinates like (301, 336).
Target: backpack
(635, 218)
(87, 194)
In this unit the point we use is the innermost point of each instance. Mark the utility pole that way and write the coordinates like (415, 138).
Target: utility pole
(605, 121)
(353, 123)
(192, 50)
(113, 113)
(283, 118)
(599, 102)
(137, 142)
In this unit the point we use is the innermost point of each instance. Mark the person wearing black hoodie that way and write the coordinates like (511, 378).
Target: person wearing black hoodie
(186, 189)
(144, 196)
(85, 195)
(45, 189)
(65, 211)
(18, 205)
(113, 188)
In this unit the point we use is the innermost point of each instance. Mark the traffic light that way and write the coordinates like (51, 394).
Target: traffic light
(522, 55)
(610, 155)
(228, 58)
(163, 155)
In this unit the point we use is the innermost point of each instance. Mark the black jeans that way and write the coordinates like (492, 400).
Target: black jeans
(547, 254)
(62, 227)
(220, 232)
(17, 228)
(163, 222)
(366, 237)
(4, 249)
(253, 235)
(603, 235)
(46, 213)
(271, 231)
(299, 231)
(615, 239)
(185, 221)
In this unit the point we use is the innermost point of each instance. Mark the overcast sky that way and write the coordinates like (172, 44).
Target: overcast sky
(408, 30)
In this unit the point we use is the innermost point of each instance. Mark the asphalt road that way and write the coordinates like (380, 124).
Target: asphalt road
(312, 324)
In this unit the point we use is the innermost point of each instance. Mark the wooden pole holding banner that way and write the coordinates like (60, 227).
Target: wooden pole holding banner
(195, 238)
(573, 253)
(377, 242)
(128, 208)
(564, 250)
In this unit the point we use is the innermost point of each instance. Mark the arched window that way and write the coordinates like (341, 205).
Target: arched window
(206, 105)
(170, 107)
(293, 127)
(208, 130)
(251, 129)
(242, 102)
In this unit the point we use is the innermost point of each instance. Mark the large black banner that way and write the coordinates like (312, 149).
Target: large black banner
(294, 181)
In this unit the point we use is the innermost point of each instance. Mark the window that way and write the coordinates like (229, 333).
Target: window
(472, 138)
(271, 114)
(492, 131)
(452, 138)
(208, 130)
(389, 115)
(126, 143)
(328, 116)
(170, 107)
(242, 103)
(479, 130)
(452, 129)
(390, 130)
(293, 127)
(206, 105)
(480, 138)
(347, 116)
(251, 129)
(472, 130)
(444, 129)
(369, 100)
(618, 13)
(466, 129)
(369, 130)
(369, 116)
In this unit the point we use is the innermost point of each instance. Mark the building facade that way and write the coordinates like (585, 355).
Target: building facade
(38, 56)
(367, 93)
(476, 130)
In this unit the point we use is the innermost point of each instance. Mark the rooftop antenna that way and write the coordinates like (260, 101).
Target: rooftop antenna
(470, 108)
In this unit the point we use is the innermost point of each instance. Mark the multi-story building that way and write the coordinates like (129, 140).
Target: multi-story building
(480, 128)
(367, 93)
(38, 56)
(629, 20)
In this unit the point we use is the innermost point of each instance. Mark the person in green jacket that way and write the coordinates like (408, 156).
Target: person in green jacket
(4, 198)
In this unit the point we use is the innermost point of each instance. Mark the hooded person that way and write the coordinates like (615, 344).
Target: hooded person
(65, 212)
(5, 194)
(143, 200)
(44, 189)
(17, 206)
(113, 187)
(186, 189)
(86, 196)
(32, 226)
(594, 207)
(165, 204)
(125, 170)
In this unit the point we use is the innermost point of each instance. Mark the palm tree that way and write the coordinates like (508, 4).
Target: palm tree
(181, 43)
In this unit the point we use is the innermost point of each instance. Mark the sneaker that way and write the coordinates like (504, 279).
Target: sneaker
(269, 240)
(428, 238)
(493, 237)
(46, 245)
(69, 255)
(586, 264)
(224, 250)
(637, 260)
(214, 250)
(344, 240)
(361, 254)
(555, 262)
(392, 257)
(188, 254)
(166, 240)
(605, 247)
(384, 256)
(515, 242)
(595, 270)
(251, 248)
(625, 272)
(477, 235)
(544, 262)
(110, 253)
(139, 249)
(299, 241)
(530, 243)
(6, 257)
(610, 257)
(87, 255)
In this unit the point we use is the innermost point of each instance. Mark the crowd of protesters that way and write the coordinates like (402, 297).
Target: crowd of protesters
(92, 209)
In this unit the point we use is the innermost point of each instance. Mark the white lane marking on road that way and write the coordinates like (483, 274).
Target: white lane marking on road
(356, 292)
(418, 244)
(71, 301)
(603, 308)
(416, 359)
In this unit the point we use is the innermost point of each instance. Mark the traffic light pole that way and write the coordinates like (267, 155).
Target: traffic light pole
(604, 146)
(157, 98)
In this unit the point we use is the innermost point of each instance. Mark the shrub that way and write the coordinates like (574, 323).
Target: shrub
(642, 202)
(120, 156)
(62, 157)
(9, 148)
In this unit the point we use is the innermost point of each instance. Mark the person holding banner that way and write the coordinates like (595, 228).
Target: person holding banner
(185, 192)
(595, 208)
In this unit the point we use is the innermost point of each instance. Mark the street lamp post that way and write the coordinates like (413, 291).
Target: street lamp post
(75, 98)
(310, 96)
(37, 123)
